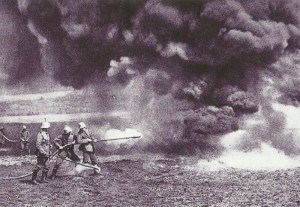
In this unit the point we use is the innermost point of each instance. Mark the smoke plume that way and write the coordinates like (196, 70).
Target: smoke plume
(19, 48)
(186, 70)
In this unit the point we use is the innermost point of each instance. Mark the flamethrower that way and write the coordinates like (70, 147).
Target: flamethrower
(114, 139)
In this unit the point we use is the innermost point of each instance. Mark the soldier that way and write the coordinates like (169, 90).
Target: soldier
(2, 134)
(24, 137)
(87, 146)
(43, 150)
(62, 140)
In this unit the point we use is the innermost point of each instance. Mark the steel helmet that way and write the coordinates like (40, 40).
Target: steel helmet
(67, 129)
(45, 125)
(23, 127)
(82, 125)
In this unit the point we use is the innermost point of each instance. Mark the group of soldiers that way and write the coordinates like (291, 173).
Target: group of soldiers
(65, 145)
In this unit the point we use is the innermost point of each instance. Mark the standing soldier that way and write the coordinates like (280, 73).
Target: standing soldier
(60, 142)
(43, 148)
(24, 137)
(2, 135)
(87, 146)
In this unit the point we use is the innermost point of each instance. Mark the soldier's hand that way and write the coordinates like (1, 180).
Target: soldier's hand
(89, 140)
(74, 142)
(60, 147)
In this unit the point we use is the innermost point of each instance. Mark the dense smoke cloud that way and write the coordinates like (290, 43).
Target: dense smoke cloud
(208, 54)
(215, 33)
(237, 99)
(92, 33)
(19, 48)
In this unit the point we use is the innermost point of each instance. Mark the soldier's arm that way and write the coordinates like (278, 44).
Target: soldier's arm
(21, 137)
(93, 139)
(39, 146)
(27, 136)
(81, 139)
(74, 139)
(57, 141)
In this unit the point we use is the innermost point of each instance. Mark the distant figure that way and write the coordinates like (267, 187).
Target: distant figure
(62, 140)
(43, 150)
(2, 136)
(24, 137)
(87, 146)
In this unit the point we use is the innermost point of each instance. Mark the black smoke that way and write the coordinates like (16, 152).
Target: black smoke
(206, 54)
(209, 33)
(20, 50)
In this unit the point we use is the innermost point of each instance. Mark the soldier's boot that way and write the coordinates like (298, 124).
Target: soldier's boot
(53, 176)
(34, 175)
(44, 177)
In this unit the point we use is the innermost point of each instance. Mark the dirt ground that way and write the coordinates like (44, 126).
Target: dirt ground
(149, 180)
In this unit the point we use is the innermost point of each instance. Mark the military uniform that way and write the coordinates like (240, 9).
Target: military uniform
(87, 146)
(24, 137)
(43, 150)
(60, 141)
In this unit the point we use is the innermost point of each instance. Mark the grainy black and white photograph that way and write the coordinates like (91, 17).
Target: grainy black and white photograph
(149, 103)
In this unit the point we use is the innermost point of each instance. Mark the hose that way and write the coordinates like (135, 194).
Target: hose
(29, 174)
(10, 140)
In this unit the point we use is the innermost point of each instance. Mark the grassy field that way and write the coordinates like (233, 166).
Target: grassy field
(72, 103)
(151, 180)
(60, 102)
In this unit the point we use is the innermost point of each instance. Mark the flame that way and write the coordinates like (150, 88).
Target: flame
(265, 158)
(116, 133)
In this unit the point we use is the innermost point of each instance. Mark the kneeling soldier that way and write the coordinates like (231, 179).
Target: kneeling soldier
(43, 150)
(60, 142)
